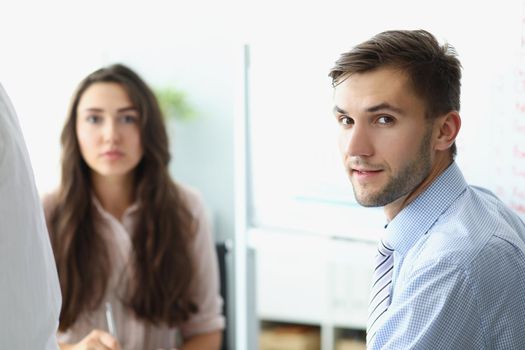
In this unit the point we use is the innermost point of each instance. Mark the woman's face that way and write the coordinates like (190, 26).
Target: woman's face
(108, 131)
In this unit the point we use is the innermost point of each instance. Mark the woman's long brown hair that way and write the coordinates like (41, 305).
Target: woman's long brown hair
(161, 263)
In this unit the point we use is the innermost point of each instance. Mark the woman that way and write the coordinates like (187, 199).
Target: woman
(135, 257)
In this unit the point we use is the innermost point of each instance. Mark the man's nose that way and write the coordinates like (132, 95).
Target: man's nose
(358, 142)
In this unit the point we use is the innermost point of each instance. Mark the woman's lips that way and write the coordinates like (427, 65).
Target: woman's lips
(112, 155)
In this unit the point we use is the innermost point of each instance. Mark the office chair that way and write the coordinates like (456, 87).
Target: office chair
(223, 249)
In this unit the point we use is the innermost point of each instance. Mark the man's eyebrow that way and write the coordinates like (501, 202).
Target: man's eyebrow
(384, 106)
(339, 110)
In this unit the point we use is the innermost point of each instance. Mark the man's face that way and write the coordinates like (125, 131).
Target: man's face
(385, 139)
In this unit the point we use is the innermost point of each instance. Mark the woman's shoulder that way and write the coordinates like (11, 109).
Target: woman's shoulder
(190, 195)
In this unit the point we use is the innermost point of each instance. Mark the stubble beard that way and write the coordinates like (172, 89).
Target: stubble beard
(402, 183)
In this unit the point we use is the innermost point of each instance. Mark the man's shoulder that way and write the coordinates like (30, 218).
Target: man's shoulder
(469, 241)
(482, 213)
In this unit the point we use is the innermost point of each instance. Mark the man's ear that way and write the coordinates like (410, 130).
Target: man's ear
(446, 130)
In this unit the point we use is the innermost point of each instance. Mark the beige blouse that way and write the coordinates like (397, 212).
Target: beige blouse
(135, 334)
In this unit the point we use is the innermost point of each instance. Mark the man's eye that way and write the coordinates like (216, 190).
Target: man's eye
(385, 119)
(344, 120)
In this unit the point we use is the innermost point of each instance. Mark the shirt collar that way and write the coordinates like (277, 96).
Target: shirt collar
(131, 209)
(418, 217)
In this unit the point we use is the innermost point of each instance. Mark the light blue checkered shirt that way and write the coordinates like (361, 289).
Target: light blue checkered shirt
(459, 277)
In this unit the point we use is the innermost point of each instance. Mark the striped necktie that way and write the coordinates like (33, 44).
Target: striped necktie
(381, 287)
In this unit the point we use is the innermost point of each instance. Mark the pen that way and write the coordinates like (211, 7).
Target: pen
(110, 320)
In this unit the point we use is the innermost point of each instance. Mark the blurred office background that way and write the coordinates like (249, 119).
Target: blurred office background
(261, 142)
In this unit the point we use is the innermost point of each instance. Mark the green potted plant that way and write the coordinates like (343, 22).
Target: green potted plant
(174, 104)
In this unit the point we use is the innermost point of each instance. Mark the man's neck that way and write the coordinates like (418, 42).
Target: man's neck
(441, 163)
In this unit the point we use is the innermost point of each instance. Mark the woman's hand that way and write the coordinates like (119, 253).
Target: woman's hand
(96, 340)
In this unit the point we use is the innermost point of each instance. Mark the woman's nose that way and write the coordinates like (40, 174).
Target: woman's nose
(111, 132)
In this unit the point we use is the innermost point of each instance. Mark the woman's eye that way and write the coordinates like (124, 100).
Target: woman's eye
(128, 119)
(93, 119)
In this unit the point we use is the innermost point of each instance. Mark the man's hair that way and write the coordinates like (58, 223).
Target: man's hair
(433, 70)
